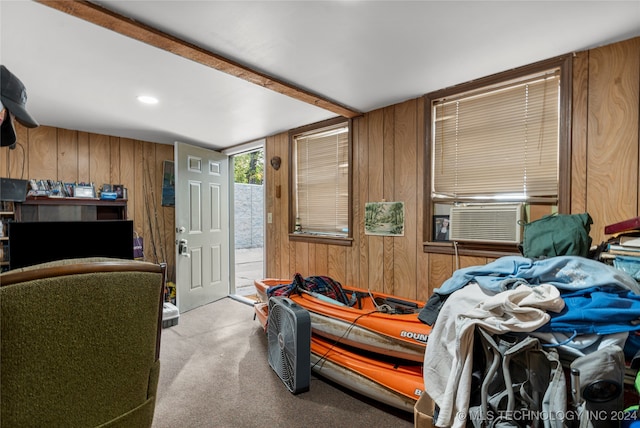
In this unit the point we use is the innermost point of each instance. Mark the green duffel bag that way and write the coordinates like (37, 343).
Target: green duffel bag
(557, 235)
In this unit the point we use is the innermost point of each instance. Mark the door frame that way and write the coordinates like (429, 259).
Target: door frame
(231, 152)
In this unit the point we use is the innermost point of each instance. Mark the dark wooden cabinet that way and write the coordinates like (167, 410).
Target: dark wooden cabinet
(71, 209)
(7, 215)
(43, 209)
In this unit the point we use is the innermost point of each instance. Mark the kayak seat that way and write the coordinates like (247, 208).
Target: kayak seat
(396, 306)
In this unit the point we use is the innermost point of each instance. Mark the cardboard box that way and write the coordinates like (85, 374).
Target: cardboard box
(170, 315)
(423, 412)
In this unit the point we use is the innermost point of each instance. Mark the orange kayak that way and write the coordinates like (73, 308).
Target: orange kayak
(377, 322)
(396, 384)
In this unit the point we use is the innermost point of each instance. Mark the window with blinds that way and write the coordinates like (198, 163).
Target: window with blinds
(321, 181)
(499, 142)
(504, 138)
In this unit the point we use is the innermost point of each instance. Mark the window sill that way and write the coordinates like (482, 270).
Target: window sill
(321, 239)
(471, 249)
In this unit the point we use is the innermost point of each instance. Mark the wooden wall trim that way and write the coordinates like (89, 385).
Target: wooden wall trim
(579, 132)
(128, 27)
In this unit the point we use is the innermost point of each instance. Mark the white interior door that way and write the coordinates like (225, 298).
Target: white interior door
(202, 226)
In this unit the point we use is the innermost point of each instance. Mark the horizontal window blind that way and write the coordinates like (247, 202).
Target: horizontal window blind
(322, 181)
(498, 143)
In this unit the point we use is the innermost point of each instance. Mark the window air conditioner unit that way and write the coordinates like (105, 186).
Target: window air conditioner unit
(494, 223)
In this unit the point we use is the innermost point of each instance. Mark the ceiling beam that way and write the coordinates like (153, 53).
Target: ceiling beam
(120, 24)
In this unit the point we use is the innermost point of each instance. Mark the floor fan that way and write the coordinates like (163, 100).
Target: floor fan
(289, 343)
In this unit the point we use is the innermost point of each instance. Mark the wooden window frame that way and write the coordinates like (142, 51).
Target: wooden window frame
(564, 62)
(346, 240)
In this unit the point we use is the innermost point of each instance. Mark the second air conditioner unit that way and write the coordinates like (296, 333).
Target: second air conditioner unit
(492, 223)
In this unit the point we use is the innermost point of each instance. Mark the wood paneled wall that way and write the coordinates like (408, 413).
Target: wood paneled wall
(388, 165)
(74, 156)
(605, 169)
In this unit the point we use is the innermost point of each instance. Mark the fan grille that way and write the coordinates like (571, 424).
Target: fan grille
(289, 343)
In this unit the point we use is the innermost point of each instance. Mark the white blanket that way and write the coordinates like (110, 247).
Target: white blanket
(449, 354)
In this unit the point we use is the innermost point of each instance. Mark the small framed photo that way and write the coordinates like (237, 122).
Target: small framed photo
(118, 189)
(441, 227)
(57, 190)
(84, 191)
(68, 188)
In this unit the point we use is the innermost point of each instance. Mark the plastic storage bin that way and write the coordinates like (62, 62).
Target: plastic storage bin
(170, 315)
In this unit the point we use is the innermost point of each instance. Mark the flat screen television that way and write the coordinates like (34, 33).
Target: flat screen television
(31, 243)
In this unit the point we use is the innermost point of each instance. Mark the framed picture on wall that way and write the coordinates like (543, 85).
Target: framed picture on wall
(384, 218)
(441, 228)
(168, 184)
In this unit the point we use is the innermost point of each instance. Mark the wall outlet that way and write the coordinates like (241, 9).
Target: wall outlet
(269, 218)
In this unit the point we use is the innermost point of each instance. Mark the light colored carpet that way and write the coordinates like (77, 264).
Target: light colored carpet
(215, 373)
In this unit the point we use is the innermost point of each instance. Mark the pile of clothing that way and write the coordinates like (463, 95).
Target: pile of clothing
(565, 312)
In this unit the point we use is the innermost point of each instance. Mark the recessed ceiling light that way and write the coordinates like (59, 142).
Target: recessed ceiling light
(146, 99)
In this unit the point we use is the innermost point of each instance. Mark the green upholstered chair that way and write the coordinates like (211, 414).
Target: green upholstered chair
(80, 343)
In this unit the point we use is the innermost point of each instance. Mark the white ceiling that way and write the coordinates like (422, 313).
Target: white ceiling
(361, 54)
